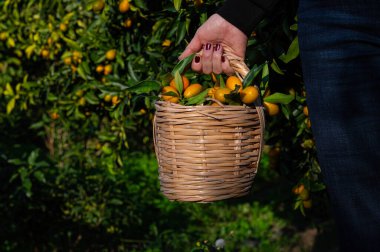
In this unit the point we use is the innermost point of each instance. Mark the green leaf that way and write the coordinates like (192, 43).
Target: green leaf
(203, 18)
(29, 50)
(301, 129)
(40, 176)
(170, 93)
(279, 98)
(297, 204)
(265, 74)
(221, 82)
(26, 183)
(145, 87)
(275, 67)
(177, 4)
(8, 90)
(68, 16)
(265, 70)
(183, 64)
(91, 98)
(86, 67)
(71, 43)
(116, 202)
(292, 52)
(315, 187)
(252, 75)
(294, 27)
(285, 111)
(51, 97)
(131, 71)
(181, 32)
(199, 98)
(141, 4)
(32, 157)
(37, 125)
(81, 72)
(11, 105)
(178, 82)
(13, 60)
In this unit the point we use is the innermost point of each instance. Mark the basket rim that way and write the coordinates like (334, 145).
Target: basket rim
(208, 106)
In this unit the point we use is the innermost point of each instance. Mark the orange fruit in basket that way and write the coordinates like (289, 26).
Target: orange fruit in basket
(271, 108)
(211, 92)
(170, 98)
(219, 94)
(192, 90)
(249, 95)
(185, 82)
(234, 81)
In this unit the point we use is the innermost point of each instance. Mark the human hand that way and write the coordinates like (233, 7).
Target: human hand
(214, 35)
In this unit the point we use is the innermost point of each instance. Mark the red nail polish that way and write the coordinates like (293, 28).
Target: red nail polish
(197, 59)
(208, 46)
(223, 59)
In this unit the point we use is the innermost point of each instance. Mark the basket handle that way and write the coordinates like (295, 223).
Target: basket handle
(241, 71)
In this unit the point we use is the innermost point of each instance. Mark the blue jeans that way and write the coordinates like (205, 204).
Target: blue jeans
(340, 53)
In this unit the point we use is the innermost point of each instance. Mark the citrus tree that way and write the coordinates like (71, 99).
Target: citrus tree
(78, 81)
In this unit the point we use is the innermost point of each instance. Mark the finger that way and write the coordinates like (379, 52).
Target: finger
(227, 69)
(196, 65)
(217, 59)
(194, 46)
(207, 58)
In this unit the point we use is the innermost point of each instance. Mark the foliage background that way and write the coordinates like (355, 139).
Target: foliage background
(77, 169)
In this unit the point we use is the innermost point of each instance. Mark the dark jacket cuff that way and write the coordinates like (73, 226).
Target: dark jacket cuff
(243, 14)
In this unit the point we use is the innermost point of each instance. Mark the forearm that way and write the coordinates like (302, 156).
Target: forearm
(246, 14)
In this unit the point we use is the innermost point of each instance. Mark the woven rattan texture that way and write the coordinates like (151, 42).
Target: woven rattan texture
(206, 153)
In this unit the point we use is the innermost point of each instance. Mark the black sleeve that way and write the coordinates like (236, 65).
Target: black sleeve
(246, 14)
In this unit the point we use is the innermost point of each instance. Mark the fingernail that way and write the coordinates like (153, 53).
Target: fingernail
(217, 47)
(197, 59)
(208, 46)
(223, 59)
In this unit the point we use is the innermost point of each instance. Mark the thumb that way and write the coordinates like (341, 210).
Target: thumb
(194, 46)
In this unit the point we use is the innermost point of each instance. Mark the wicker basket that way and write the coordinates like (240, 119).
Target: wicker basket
(208, 153)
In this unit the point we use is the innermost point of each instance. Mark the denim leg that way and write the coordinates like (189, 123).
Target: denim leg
(340, 53)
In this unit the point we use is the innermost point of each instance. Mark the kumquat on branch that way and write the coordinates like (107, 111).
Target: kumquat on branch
(107, 140)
